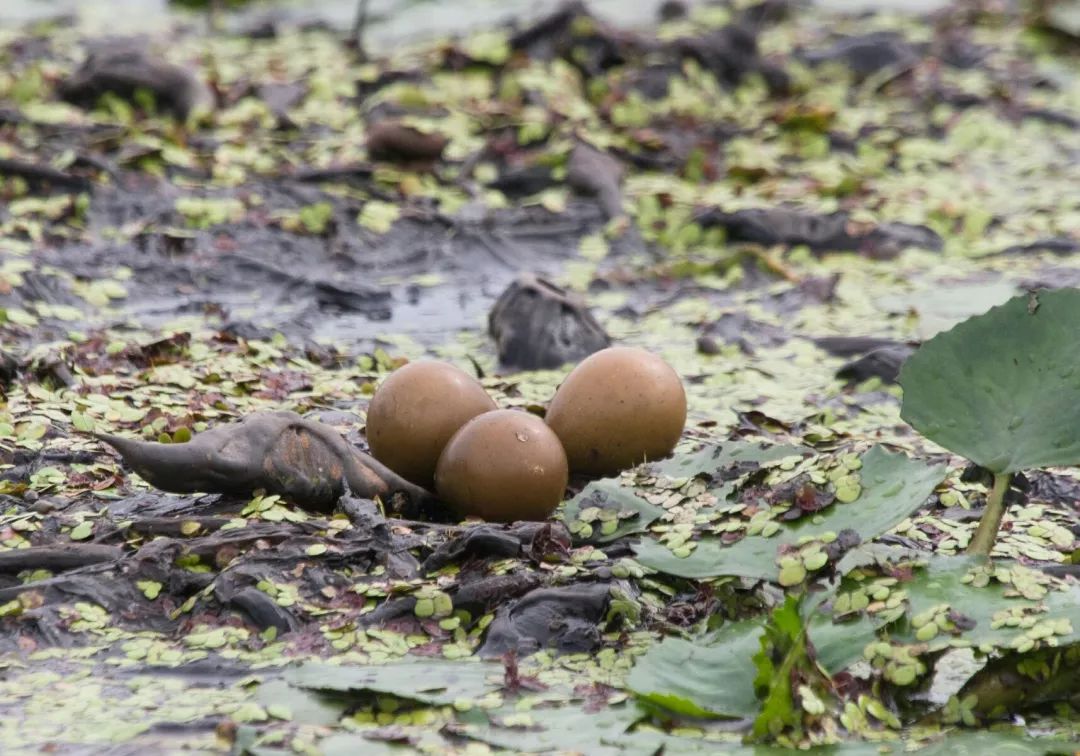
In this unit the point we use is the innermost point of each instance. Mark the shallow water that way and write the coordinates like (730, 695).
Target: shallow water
(390, 21)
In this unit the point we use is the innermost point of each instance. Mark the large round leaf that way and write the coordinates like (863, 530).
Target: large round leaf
(1003, 388)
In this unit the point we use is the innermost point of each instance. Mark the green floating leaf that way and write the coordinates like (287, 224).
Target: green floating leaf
(82, 422)
(791, 574)
(150, 588)
(1003, 389)
(350, 744)
(316, 218)
(82, 531)
(427, 681)
(1000, 743)
(838, 645)
(685, 677)
(609, 495)
(378, 216)
(992, 614)
(568, 729)
(893, 486)
(305, 706)
(946, 580)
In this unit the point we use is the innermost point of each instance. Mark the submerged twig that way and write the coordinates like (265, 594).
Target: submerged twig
(57, 558)
(38, 175)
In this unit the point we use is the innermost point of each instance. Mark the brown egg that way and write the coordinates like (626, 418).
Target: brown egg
(619, 407)
(414, 413)
(503, 466)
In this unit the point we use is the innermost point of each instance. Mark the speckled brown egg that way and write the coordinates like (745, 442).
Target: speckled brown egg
(503, 466)
(416, 410)
(619, 407)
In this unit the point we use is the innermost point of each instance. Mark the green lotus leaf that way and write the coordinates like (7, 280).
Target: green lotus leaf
(1003, 389)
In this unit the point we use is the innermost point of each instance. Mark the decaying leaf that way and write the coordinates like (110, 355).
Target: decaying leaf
(278, 452)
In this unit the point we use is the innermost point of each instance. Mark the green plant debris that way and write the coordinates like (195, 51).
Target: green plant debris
(786, 672)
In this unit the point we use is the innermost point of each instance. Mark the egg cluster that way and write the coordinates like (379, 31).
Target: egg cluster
(437, 427)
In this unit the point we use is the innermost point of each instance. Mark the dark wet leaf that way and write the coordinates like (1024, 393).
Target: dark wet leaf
(42, 176)
(565, 618)
(597, 174)
(538, 325)
(395, 141)
(480, 541)
(126, 68)
(279, 452)
(782, 225)
(884, 363)
(1003, 389)
(852, 346)
(869, 53)
(714, 460)
(893, 486)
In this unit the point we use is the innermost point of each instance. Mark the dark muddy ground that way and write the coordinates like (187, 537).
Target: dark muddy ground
(782, 201)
